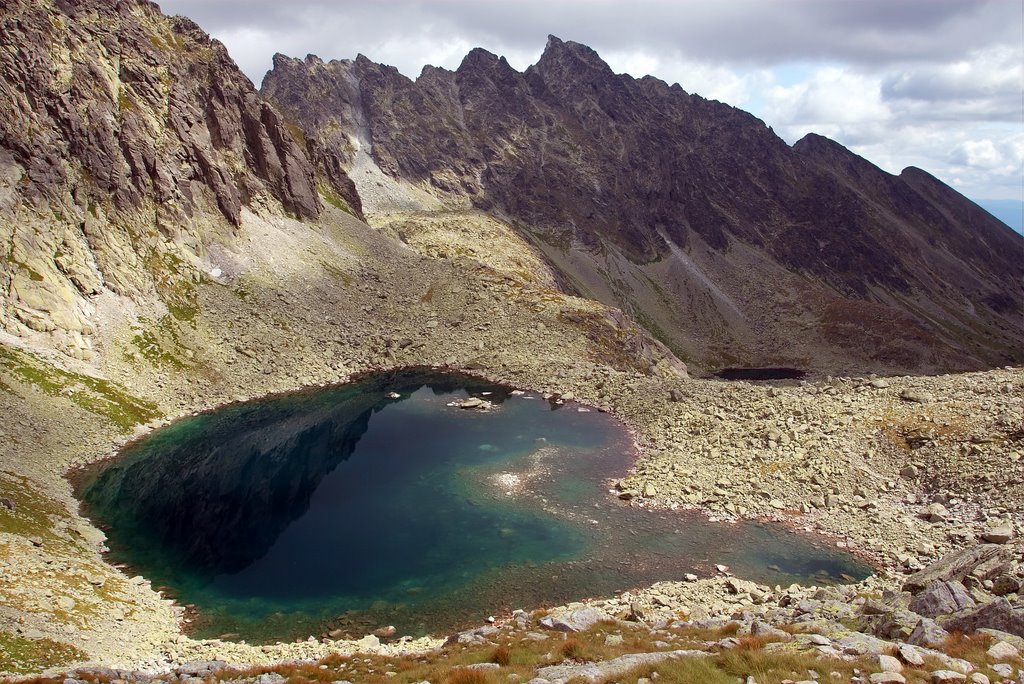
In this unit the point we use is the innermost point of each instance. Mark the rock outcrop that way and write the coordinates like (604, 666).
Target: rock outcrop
(719, 237)
(129, 142)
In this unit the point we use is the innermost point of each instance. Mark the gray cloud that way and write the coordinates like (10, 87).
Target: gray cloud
(740, 32)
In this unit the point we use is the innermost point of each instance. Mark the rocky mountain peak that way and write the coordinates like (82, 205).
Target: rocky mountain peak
(693, 214)
(128, 141)
(566, 67)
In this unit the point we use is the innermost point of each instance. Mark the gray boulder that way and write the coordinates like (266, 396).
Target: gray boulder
(942, 598)
(578, 620)
(927, 633)
(998, 614)
(953, 566)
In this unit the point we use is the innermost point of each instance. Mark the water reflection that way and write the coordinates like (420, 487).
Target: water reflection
(352, 507)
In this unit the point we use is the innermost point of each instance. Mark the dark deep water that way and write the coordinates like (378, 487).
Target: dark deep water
(774, 373)
(344, 508)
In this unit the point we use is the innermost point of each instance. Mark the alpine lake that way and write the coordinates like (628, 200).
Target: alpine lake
(380, 503)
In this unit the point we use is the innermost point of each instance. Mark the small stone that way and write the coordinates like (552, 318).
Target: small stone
(879, 383)
(910, 655)
(910, 472)
(1002, 650)
(887, 678)
(999, 534)
(1004, 670)
(917, 396)
(947, 676)
(887, 663)
(934, 512)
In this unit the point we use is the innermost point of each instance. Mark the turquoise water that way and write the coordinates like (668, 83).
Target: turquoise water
(347, 508)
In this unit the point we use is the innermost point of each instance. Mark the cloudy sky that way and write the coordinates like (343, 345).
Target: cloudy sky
(937, 84)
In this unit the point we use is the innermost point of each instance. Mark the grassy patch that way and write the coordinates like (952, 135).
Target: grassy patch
(334, 199)
(25, 656)
(31, 516)
(152, 347)
(173, 281)
(339, 274)
(95, 395)
(297, 133)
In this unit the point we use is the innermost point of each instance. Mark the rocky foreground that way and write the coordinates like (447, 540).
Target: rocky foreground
(957, 620)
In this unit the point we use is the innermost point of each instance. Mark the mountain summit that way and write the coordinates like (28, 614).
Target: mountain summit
(729, 244)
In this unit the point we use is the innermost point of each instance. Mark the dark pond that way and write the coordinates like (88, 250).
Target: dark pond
(350, 508)
(777, 373)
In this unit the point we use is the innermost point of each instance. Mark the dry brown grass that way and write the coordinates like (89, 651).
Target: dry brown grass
(574, 649)
(464, 676)
(966, 647)
(501, 655)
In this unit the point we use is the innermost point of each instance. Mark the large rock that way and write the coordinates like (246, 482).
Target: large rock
(1002, 651)
(934, 512)
(941, 598)
(947, 677)
(997, 614)
(953, 566)
(927, 633)
(578, 620)
(998, 534)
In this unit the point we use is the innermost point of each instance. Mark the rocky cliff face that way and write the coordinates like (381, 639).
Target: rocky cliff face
(129, 142)
(690, 214)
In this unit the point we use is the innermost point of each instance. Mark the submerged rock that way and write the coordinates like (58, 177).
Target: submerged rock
(475, 403)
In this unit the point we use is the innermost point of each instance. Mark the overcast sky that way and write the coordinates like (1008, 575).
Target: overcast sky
(937, 84)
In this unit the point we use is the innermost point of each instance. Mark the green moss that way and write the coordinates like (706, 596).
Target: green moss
(157, 42)
(338, 273)
(26, 656)
(183, 311)
(153, 349)
(334, 199)
(124, 102)
(174, 283)
(297, 133)
(33, 512)
(95, 395)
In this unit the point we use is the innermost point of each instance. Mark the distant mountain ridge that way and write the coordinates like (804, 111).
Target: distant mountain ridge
(693, 216)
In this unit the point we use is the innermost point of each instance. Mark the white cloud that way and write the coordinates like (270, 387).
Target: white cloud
(833, 97)
(707, 79)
